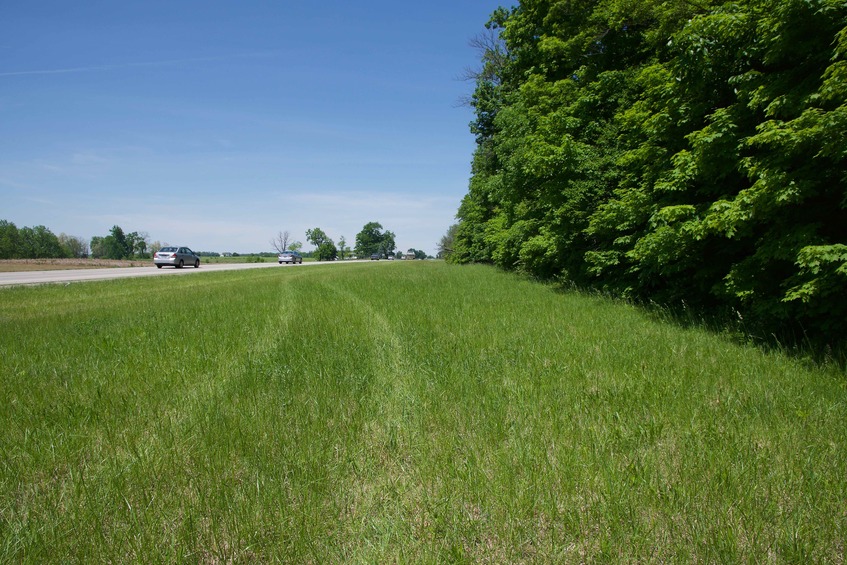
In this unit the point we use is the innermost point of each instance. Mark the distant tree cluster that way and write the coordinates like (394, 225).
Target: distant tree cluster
(120, 245)
(372, 240)
(38, 243)
(325, 249)
(677, 152)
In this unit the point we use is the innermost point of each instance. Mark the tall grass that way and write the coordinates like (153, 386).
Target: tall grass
(402, 412)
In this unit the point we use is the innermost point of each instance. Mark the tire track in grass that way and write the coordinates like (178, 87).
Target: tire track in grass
(142, 457)
(417, 492)
(306, 397)
(198, 439)
(382, 492)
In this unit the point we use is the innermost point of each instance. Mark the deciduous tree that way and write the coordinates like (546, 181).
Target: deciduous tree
(668, 151)
(373, 240)
(343, 250)
(39, 243)
(445, 244)
(73, 246)
(369, 239)
(9, 240)
(324, 246)
(281, 241)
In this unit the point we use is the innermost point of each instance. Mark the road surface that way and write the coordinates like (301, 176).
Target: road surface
(78, 275)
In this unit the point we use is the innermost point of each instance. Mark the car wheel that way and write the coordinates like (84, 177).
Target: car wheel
(181, 264)
(197, 263)
(158, 266)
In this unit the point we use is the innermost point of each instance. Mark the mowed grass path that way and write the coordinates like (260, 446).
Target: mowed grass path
(405, 412)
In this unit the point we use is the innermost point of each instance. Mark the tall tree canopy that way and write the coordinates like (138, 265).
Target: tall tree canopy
(373, 240)
(325, 249)
(36, 243)
(671, 151)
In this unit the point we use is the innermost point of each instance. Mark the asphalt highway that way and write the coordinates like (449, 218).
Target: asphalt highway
(79, 275)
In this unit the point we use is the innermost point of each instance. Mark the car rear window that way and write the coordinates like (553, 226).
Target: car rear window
(168, 249)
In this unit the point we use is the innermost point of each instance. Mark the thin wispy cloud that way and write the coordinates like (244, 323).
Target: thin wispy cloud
(219, 128)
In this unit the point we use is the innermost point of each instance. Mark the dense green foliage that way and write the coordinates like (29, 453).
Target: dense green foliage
(372, 240)
(119, 245)
(382, 412)
(680, 152)
(41, 243)
(37, 243)
(325, 249)
(445, 244)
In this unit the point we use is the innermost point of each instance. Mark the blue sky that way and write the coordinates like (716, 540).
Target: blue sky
(218, 124)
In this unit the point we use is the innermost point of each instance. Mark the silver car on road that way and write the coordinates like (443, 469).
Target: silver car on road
(176, 256)
(290, 257)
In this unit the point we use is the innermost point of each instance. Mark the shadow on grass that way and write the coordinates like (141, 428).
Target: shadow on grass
(788, 338)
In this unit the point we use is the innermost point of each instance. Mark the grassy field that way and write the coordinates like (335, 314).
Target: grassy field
(402, 412)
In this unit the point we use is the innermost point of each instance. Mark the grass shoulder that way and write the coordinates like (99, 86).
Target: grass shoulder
(426, 412)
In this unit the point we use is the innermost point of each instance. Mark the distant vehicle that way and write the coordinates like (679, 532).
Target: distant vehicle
(176, 256)
(375, 257)
(290, 257)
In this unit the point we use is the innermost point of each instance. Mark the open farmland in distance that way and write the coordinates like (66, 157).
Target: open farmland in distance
(413, 411)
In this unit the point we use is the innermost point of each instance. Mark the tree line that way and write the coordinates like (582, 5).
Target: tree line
(40, 243)
(371, 240)
(678, 152)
